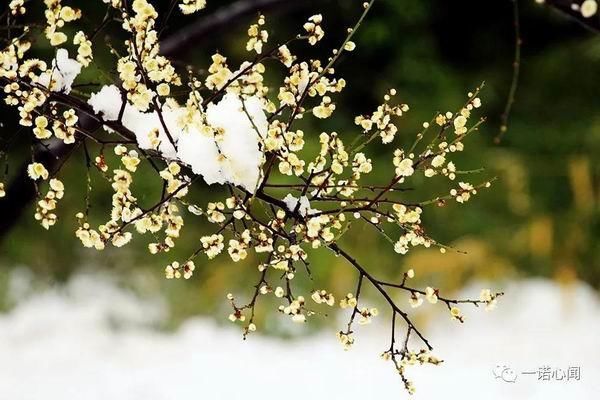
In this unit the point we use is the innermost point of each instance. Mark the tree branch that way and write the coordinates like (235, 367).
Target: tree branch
(21, 190)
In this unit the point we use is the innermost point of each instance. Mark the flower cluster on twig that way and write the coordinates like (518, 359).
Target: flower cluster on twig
(233, 128)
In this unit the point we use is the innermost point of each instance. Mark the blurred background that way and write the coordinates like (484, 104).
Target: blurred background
(540, 219)
(534, 234)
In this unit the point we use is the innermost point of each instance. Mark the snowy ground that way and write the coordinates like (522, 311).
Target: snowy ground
(92, 340)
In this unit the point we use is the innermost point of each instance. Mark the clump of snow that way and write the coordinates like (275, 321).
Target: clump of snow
(142, 124)
(61, 76)
(94, 340)
(304, 209)
(243, 125)
(107, 102)
(234, 156)
(198, 150)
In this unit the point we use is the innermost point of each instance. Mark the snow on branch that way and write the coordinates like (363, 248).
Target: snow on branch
(236, 130)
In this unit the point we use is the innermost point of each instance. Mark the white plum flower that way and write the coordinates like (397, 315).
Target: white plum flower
(589, 8)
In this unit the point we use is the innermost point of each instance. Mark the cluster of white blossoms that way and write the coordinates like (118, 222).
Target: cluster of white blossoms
(84, 49)
(349, 301)
(56, 17)
(489, 298)
(212, 245)
(45, 206)
(17, 7)
(381, 122)
(175, 270)
(257, 36)
(314, 30)
(464, 192)
(323, 297)
(236, 129)
(366, 314)
(347, 340)
(295, 309)
(409, 358)
(404, 165)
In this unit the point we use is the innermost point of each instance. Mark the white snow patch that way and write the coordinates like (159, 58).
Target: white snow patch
(243, 125)
(143, 123)
(62, 74)
(107, 102)
(200, 152)
(304, 209)
(235, 158)
(92, 340)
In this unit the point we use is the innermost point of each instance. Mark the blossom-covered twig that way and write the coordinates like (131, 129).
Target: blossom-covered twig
(231, 127)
